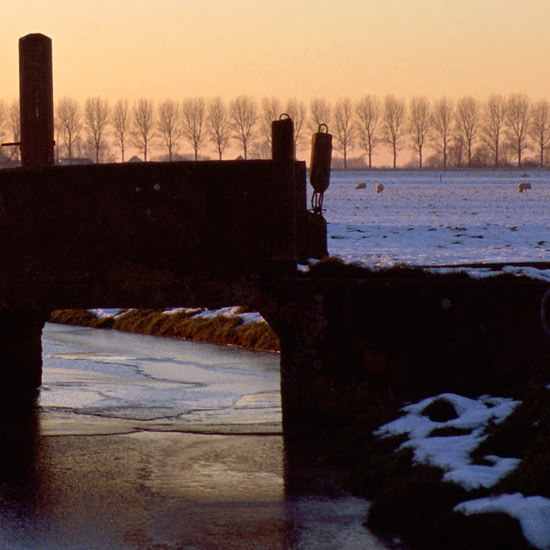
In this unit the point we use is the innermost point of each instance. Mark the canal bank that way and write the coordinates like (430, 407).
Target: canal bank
(233, 326)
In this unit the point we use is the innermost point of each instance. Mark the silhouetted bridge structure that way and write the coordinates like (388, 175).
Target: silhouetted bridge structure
(159, 235)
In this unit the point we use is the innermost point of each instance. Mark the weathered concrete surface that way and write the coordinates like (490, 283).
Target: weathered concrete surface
(350, 346)
(150, 235)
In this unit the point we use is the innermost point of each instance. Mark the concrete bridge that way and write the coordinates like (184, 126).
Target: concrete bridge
(161, 235)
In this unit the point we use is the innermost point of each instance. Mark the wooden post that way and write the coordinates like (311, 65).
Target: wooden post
(284, 158)
(36, 100)
(21, 331)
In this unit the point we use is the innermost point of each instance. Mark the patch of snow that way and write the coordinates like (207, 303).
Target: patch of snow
(452, 453)
(529, 272)
(231, 311)
(532, 512)
(248, 317)
(103, 313)
(188, 310)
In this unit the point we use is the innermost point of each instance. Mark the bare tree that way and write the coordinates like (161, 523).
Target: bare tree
(296, 109)
(419, 124)
(320, 112)
(168, 124)
(271, 109)
(494, 118)
(540, 127)
(368, 111)
(143, 126)
(193, 113)
(457, 150)
(344, 128)
(14, 116)
(442, 122)
(69, 122)
(243, 114)
(517, 122)
(468, 123)
(96, 119)
(217, 125)
(120, 120)
(394, 118)
(4, 115)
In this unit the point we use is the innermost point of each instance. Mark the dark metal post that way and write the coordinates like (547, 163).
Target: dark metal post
(36, 100)
(284, 158)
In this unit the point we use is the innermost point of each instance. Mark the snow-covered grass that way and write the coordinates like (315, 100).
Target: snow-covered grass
(533, 514)
(453, 454)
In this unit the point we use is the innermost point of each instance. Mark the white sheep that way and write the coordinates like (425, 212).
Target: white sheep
(379, 188)
(361, 186)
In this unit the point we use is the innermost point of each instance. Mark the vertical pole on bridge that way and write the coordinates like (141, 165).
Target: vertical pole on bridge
(284, 159)
(21, 331)
(36, 100)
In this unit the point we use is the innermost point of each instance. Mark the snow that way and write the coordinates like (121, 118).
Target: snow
(232, 311)
(533, 514)
(452, 454)
(104, 313)
(420, 219)
(248, 317)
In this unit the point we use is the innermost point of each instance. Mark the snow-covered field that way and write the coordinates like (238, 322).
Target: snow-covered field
(435, 218)
(449, 218)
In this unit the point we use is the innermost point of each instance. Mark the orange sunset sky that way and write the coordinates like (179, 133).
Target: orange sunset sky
(287, 48)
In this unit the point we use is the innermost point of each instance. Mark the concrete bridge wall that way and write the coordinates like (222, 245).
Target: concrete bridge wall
(109, 235)
(354, 346)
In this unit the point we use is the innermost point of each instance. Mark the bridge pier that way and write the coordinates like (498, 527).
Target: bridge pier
(356, 347)
(20, 357)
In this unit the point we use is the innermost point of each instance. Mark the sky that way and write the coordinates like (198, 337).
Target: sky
(289, 48)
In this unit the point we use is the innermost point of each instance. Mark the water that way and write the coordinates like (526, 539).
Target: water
(149, 443)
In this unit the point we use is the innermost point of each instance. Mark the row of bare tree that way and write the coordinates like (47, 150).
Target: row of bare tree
(466, 132)
(104, 132)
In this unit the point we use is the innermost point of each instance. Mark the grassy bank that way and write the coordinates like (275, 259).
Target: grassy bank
(413, 500)
(192, 324)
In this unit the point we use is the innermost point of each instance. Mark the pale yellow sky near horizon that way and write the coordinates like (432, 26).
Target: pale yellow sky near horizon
(288, 48)
(300, 48)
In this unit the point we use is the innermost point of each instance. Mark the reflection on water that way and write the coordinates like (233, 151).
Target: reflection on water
(154, 484)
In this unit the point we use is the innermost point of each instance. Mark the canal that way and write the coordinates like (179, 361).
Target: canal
(140, 442)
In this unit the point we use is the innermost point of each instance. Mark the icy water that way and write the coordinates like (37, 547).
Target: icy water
(434, 218)
(150, 443)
